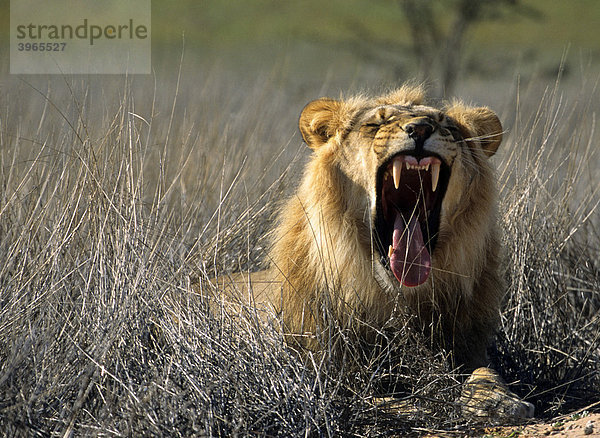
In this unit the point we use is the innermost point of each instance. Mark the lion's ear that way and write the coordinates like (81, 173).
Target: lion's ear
(318, 121)
(480, 124)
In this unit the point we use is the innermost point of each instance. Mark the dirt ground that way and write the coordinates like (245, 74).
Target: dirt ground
(580, 424)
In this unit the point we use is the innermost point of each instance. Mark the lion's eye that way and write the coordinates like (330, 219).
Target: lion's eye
(454, 131)
(372, 126)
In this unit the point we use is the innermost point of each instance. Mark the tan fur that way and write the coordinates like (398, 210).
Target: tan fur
(324, 260)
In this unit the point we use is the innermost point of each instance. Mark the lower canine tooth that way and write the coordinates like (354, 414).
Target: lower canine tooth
(390, 251)
(435, 175)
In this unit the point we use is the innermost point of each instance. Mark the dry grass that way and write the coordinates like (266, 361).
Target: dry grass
(550, 192)
(115, 199)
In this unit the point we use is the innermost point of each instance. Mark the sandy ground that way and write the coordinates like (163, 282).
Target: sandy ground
(580, 424)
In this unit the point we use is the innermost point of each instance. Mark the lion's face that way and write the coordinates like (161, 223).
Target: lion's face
(411, 165)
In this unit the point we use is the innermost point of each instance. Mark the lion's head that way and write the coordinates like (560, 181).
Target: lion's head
(398, 199)
(412, 163)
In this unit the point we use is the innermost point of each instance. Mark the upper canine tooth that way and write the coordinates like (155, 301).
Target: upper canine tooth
(435, 175)
(396, 171)
(390, 251)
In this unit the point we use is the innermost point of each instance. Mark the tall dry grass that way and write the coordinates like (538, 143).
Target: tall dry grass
(117, 195)
(550, 190)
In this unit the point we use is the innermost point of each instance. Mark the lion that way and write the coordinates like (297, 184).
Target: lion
(396, 204)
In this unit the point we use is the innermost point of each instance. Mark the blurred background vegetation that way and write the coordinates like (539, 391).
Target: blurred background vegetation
(407, 38)
(375, 41)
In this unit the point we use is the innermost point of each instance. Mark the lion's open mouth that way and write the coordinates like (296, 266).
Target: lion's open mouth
(410, 192)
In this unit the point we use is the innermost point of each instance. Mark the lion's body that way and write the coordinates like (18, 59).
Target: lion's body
(396, 209)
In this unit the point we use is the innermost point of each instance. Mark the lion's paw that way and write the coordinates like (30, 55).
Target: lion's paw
(485, 397)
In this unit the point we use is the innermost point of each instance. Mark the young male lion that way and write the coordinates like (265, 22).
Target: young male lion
(398, 202)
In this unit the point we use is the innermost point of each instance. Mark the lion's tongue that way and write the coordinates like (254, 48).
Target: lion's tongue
(410, 262)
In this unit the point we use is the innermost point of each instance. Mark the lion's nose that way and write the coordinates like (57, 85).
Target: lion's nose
(419, 131)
